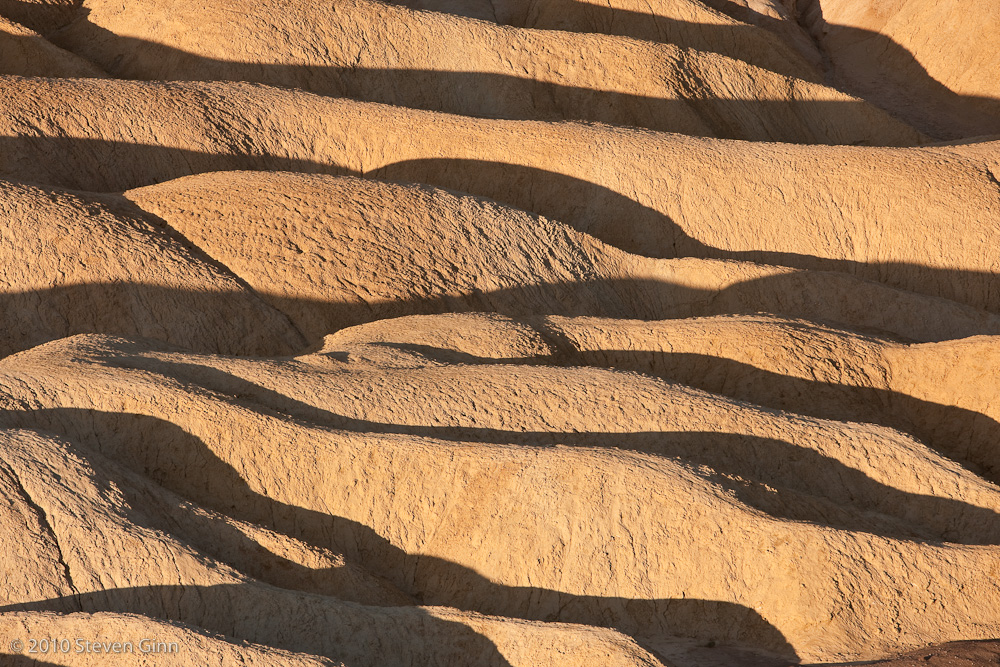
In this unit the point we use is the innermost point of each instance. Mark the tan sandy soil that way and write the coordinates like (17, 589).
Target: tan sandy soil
(919, 59)
(677, 195)
(444, 247)
(78, 514)
(24, 52)
(384, 53)
(548, 332)
(98, 265)
(750, 498)
(937, 391)
(274, 273)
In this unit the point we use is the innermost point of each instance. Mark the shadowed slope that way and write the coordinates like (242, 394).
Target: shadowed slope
(311, 257)
(776, 16)
(343, 251)
(942, 392)
(563, 393)
(684, 23)
(932, 63)
(73, 505)
(589, 408)
(26, 53)
(73, 263)
(385, 53)
(531, 518)
(340, 251)
(951, 40)
(43, 16)
(654, 194)
(920, 219)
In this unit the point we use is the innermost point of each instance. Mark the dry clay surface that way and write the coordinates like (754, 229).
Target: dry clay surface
(369, 50)
(268, 264)
(26, 53)
(915, 58)
(881, 214)
(499, 333)
(305, 260)
(659, 532)
(686, 23)
(858, 240)
(80, 515)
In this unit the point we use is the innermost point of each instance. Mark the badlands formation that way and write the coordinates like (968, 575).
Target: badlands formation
(499, 332)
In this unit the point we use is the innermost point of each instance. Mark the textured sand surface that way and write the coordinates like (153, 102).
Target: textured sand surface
(499, 333)
(916, 59)
(367, 50)
(24, 52)
(492, 462)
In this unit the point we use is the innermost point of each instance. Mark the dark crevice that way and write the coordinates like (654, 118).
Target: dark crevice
(808, 14)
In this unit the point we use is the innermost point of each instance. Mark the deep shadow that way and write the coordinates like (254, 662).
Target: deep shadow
(451, 643)
(492, 95)
(968, 437)
(487, 95)
(186, 464)
(96, 166)
(745, 13)
(631, 226)
(220, 322)
(908, 91)
(298, 623)
(925, 100)
(183, 464)
(904, 88)
(43, 17)
(33, 318)
(30, 55)
(36, 317)
(154, 507)
(591, 208)
(784, 480)
(739, 42)
(611, 217)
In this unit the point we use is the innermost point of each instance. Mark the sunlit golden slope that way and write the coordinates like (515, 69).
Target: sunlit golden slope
(929, 62)
(499, 333)
(372, 51)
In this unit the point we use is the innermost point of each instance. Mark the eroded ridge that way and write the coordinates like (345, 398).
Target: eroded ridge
(499, 332)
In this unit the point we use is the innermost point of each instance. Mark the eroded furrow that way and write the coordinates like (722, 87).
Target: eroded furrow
(498, 332)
